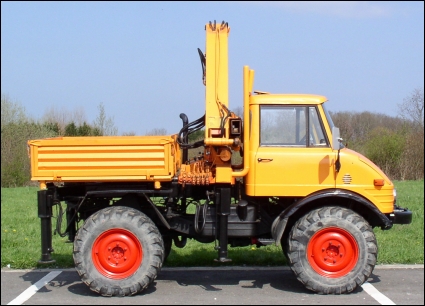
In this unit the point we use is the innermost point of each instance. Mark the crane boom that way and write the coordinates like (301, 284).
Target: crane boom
(216, 80)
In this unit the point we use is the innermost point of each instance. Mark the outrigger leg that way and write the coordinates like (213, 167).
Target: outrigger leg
(223, 197)
(45, 204)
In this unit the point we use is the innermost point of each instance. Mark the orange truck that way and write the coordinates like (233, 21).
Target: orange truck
(277, 175)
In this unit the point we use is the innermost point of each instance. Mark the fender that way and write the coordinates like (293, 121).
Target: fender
(279, 224)
(143, 192)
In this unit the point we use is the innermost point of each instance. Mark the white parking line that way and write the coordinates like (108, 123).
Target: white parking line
(378, 296)
(24, 296)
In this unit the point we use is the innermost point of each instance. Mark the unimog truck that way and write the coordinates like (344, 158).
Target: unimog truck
(278, 174)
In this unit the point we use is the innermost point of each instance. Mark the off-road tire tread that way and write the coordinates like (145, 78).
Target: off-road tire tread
(153, 251)
(317, 219)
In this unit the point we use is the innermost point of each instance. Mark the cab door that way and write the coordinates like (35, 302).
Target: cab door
(294, 156)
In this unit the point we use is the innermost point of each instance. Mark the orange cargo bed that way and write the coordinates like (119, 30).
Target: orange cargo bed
(104, 158)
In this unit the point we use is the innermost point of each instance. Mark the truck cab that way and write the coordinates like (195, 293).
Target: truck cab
(292, 153)
(285, 161)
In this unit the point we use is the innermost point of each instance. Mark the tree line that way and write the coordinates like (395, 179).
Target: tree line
(17, 128)
(395, 144)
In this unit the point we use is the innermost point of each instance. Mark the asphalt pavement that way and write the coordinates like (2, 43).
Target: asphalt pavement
(388, 285)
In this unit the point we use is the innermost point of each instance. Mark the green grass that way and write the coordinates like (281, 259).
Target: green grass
(21, 242)
(405, 243)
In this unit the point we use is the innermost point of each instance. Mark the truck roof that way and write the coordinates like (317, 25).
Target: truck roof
(267, 98)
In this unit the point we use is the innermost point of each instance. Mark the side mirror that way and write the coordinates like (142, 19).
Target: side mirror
(336, 139)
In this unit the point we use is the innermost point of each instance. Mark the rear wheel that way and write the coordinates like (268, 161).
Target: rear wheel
(118, 251)
(332, 250)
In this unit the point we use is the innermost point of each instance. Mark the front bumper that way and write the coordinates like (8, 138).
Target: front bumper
(401, 215)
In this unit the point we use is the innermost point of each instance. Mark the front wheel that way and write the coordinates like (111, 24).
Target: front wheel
(118, 251)
(332, 250)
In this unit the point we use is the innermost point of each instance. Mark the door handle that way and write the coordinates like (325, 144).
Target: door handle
(265, 159)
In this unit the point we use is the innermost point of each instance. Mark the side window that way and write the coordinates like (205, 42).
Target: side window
(287, 126)
(282, 125)
(317, 136)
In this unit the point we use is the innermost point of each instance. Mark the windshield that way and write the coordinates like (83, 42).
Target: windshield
(328, 117)
(331, 124)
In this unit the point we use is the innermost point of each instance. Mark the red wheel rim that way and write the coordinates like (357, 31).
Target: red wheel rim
(117, 253)
(332, 252)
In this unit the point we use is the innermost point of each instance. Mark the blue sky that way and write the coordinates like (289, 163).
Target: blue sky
(140, 59)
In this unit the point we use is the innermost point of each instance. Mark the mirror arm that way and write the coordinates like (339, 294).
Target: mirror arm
(338, 162)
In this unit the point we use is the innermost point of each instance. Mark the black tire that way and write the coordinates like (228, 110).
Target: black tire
(118, 251)
(332, 250)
